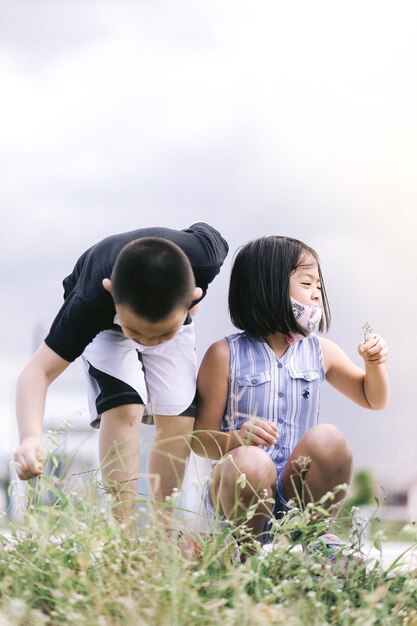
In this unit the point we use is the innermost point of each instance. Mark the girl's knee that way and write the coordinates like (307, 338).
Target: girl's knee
(254, 463)
(326, 442)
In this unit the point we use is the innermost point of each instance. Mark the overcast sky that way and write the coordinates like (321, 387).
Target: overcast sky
(268, 117)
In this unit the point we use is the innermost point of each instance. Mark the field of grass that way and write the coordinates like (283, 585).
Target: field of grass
(70, 563)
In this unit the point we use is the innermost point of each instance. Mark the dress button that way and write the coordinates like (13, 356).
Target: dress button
(279, 365)
(280, 420)
(254, 381)
(280, 395)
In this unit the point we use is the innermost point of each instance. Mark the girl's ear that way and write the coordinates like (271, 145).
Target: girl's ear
(106, 282)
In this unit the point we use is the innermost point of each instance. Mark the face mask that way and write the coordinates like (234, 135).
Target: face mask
(307, 316)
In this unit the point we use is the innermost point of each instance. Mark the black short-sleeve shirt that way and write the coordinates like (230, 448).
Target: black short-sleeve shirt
(88, 308)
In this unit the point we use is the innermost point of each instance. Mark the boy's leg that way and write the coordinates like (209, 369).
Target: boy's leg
(169, 454)
(117, 394)
(320, 462)
(119, 451)
(171, 371)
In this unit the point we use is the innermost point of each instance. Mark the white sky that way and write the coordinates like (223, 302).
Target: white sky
(294, 118)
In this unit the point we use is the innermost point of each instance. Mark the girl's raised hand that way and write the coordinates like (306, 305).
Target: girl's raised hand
(374, 351)
(258, 432)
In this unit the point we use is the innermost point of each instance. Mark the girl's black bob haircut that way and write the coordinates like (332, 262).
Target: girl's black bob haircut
(259, 300)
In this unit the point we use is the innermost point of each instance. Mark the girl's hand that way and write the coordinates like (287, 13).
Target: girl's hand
(374, 351)
(258, 432)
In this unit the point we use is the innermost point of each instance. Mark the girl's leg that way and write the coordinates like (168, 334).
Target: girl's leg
(320, 461)
(232, 496)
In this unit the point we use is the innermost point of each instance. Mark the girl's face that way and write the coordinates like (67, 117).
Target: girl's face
(305, 283)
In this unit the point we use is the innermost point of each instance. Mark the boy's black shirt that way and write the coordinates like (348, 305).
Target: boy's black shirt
(88, 308)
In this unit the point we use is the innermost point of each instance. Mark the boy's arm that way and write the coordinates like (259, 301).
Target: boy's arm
(212, 386)
(370, 387)
(32, 386)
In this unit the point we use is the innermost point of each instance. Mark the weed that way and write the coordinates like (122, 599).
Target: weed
(69, 562)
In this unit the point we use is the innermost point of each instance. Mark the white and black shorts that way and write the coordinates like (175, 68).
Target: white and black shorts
(121, 371)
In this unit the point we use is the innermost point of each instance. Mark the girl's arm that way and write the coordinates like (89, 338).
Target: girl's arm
(369, 387)
(212, 386)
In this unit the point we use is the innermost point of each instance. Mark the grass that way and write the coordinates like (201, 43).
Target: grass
(71, 563)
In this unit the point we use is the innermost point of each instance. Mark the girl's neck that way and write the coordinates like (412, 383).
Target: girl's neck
(278, 343)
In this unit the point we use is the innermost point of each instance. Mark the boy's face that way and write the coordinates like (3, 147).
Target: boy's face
(148, 333)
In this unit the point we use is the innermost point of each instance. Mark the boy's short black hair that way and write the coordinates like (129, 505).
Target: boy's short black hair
(152, 276)
(259, 300)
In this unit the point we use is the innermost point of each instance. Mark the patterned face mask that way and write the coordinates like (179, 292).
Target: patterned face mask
(307, 316)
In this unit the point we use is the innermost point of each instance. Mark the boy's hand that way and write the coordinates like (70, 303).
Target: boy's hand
(29, 458)
(258, 432)
(374, 351)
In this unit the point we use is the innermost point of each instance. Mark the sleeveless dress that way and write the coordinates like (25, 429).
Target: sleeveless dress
(285, 390)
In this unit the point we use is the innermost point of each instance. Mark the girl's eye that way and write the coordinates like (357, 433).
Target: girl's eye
(309, 285)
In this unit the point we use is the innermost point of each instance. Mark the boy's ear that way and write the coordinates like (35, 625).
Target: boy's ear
(197, 293)
(106, 282)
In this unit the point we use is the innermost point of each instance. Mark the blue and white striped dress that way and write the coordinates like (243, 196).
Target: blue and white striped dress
(284, 390)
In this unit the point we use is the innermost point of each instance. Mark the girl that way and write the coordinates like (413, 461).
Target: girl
(259, 389)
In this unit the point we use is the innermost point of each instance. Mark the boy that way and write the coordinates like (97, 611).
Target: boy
(128, 307)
